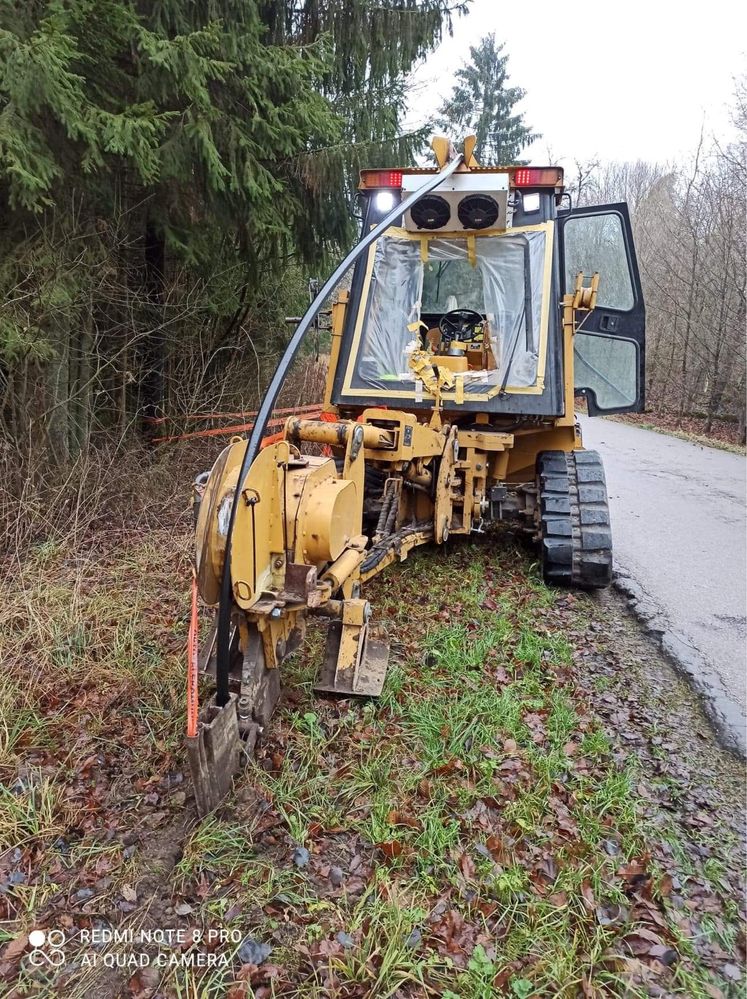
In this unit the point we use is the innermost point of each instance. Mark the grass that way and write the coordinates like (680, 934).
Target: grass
(90, 704)
(721, 443)
(466, 814)
(479, 765)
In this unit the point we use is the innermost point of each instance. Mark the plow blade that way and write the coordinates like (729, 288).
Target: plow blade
(214, 754)
(354, 664)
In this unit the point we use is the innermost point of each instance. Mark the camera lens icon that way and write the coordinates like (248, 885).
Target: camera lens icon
(47, 946)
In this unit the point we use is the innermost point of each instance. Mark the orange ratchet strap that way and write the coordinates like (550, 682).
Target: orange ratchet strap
(237, 428)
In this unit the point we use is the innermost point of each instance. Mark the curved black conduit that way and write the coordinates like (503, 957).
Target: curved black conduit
(223, 663)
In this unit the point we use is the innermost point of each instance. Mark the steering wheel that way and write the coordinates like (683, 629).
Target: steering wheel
(459, 324)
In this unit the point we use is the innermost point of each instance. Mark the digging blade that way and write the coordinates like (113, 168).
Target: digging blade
(358, 674)
(214, 754)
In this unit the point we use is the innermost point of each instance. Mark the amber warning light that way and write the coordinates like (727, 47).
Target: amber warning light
(381, 178)
(523, 177)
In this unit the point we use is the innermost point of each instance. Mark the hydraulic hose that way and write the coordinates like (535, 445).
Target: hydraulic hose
(223, 651)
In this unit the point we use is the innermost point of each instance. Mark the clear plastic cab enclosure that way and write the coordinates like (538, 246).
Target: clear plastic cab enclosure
(481, 243)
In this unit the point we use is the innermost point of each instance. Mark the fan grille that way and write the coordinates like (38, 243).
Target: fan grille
(478, 211)
(431, 212)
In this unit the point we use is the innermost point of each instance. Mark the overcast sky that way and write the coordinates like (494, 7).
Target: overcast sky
(611, 79)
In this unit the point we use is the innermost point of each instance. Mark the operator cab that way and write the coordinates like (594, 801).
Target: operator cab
(464, 278)
(475, 304)
(474, 276)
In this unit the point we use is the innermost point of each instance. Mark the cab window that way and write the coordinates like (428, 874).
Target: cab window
(596, 243)
(414, 283)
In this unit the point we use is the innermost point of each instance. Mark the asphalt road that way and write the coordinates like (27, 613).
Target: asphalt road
(678, 528)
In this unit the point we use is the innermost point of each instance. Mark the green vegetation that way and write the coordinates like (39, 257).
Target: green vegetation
(169, 176)
(495, 824)
(477, 831)
(482, 104)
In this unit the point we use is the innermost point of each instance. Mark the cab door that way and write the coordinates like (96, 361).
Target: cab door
(610, 343)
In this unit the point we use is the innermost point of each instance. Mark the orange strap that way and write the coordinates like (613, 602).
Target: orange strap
(192, 705)
(236, 428)
(272, 439)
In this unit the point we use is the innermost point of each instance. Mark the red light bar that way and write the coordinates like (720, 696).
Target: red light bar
(538, 177)
(380, 178)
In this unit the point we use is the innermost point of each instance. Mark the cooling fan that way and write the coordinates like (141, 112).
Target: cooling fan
(432, 212)
(478, 211)
(465, 202)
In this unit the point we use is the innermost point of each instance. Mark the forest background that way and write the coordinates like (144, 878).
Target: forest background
(172, 176)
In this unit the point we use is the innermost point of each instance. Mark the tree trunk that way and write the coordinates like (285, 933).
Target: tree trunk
(80, 408)
(153, 360)
(58, 420)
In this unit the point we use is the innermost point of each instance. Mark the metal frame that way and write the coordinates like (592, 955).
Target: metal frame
(223, 664)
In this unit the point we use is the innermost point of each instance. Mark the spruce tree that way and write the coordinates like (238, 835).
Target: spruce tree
(482, 104)
(170, 159)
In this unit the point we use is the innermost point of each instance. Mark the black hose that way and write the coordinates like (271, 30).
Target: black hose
(223, 656)
(391, 516)
(384, 513)
(382, 548)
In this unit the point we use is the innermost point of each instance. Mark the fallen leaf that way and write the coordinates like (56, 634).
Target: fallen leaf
(449, 767)
(587, 896)
(391, 849)
(424, 789)
(665, 885)
(467, 866)
(15, 947)
(400, 819)
(632, 870)
(547, 869)
(588, 988)
(329, 948)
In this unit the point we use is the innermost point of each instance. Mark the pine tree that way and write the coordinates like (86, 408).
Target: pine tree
(482, 104)
(371, 47)
(176, 160)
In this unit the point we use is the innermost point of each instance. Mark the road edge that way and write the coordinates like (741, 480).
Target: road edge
(681, 435)
(724, 714)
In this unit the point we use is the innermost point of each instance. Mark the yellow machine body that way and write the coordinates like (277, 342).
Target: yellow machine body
(342, 496)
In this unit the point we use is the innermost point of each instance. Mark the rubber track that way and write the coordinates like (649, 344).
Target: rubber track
(575, 519)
